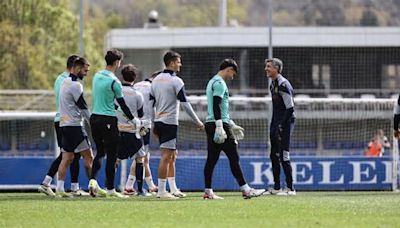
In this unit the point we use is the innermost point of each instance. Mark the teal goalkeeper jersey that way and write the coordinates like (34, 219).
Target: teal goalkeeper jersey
(217, 87)
(57, 86)
(105, 88)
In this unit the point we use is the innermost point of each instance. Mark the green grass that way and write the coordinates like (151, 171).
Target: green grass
(307, 209)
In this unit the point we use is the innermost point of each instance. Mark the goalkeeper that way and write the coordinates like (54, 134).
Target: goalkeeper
(281, 125)
(222, 132)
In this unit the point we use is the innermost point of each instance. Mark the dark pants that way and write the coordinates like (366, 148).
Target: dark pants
(74, 168)
(280, 154)
(105, 136)
(214, 150)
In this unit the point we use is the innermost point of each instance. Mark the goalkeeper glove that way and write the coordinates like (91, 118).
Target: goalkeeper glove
(236, 130)
(220, 134)
(146, 125)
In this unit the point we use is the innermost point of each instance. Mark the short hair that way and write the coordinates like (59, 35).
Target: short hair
(170, 56)
(128, 72)
(112, 56)
(70, 61)
(277, 63)
(80, 61)
(228, 63)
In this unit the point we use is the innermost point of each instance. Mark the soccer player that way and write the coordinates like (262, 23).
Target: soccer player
(73, 108)
(143, 87)
(167, 91)
(74, 168)
(105, 89)
(222, 132)
(281, 127)
(396, 118)
(130, 141)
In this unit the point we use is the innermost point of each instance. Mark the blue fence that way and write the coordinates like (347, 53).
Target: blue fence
(310, 173)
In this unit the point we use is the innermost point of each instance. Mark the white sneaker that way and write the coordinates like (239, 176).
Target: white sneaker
(278, 192)
(290, 192)
(252, 193)
(179, 194)
(46, 190)
(212, 196)
(166, 195)
(79, 192)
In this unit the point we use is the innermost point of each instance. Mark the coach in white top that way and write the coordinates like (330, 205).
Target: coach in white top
(167, 92)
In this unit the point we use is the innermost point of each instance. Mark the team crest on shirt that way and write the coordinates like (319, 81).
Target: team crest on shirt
(108, 126)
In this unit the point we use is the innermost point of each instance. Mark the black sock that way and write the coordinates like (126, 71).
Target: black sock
(139, 176)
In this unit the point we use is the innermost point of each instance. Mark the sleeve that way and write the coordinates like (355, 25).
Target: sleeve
(218, 89)
(140, 105)
(286, 91)
(80, 101)
(217, 107)
(125, 108)
(152, 101)
(186, 105)
(396, 117)
(116, 87)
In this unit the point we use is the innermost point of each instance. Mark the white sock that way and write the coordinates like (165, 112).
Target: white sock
(74, 187)
(110, 191)
(209, 191)
(149, 182)
(162, 185)
(130, 181)
(60, 186)
(47, 180)
(172, 184)
(245, 188)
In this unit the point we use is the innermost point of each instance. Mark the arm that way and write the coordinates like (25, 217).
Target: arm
(80, 101)
(125, 108)
(396, 118)
(187, 106)
(286, 91)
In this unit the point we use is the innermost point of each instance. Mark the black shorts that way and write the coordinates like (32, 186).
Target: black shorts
(74, 139)
(128, 145)
(58, 133)
(167, 134)
(146, 139)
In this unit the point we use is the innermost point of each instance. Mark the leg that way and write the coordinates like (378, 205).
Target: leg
(172, 173)
(52, 170)
(213, 153)
(230, 149)
(74, 170)
(97, 134)
(88, 161)
(275, 154)
(131, 178)
(285, 156)
(139, 173)
(65, 162)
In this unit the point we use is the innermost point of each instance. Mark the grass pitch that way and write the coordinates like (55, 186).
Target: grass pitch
(307, 209)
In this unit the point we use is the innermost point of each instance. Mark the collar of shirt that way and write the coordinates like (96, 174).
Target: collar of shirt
(127, 84)
(169, 72)
(74, 77)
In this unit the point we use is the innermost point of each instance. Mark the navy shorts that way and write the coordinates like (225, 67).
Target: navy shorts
(129, 145)
(74, 139)
(167, 134)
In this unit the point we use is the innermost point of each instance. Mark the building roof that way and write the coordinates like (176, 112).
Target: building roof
(139, 38)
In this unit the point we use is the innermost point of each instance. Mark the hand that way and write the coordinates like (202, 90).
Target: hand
(220, 134)
(200, 126)
(396, 134)
(237, 131)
